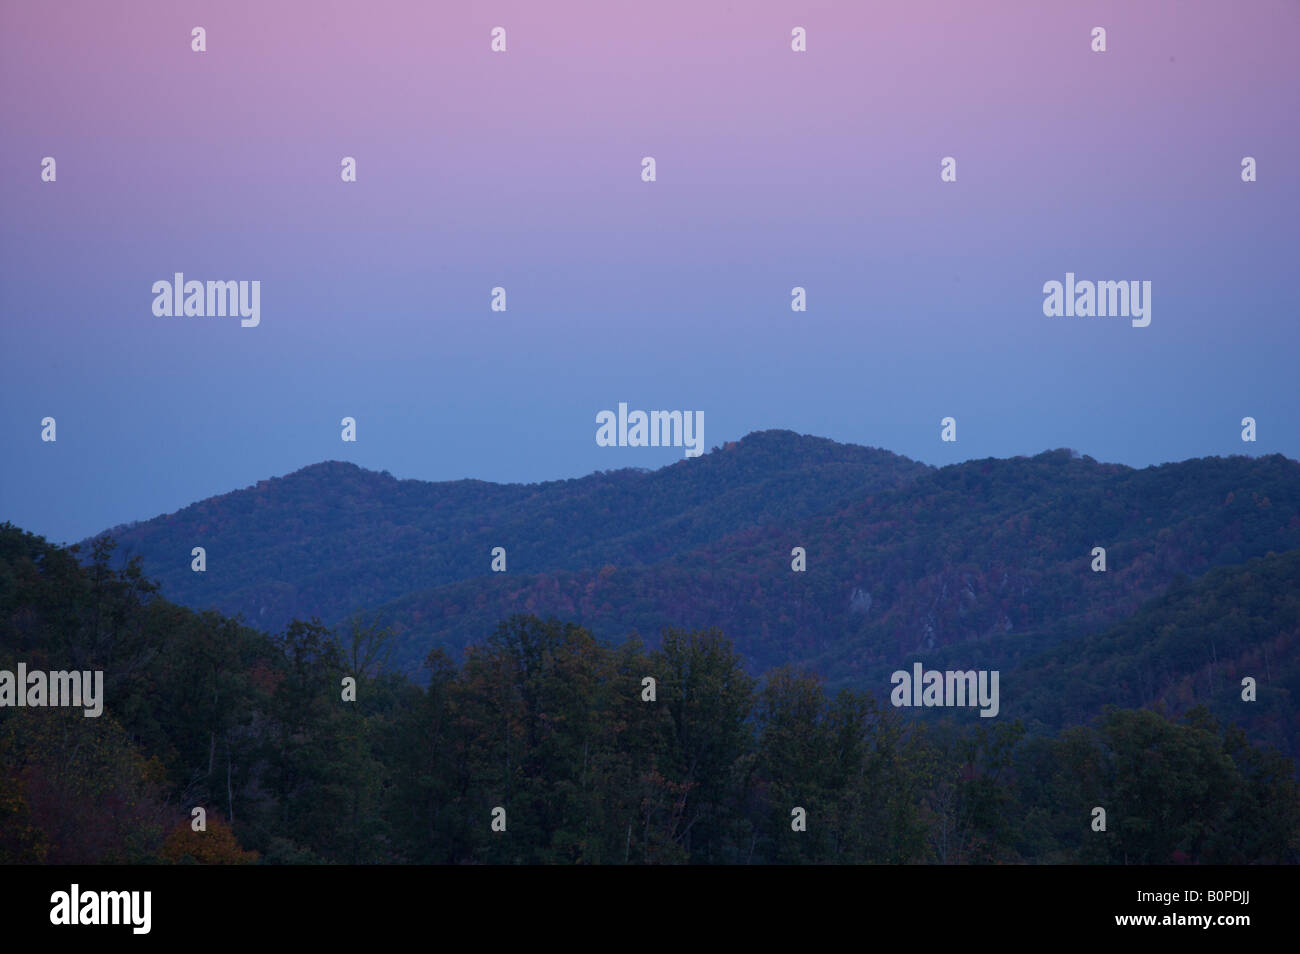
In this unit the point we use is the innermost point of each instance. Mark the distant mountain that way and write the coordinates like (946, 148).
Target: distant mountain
(1192, 645)
(333, 538)
(985, 563)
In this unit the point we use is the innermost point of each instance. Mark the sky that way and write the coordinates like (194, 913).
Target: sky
(523, 169)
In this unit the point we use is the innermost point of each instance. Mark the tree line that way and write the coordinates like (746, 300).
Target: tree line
(562, 732)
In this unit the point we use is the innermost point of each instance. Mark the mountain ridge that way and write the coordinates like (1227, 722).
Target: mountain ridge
(311, 520)
(982, 559)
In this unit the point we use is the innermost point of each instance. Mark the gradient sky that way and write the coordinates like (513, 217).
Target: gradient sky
(775, 169)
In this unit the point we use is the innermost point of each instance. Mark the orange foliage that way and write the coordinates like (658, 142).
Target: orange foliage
(216, 846)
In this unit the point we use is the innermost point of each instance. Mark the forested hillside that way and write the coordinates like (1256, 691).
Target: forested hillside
(332, 538)
(556, 728)
(985, 563)
(1191, 646)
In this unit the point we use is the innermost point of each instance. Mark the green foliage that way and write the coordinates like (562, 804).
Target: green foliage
(982, 564)
(549, 723)
(1192, 645)
(331, 537)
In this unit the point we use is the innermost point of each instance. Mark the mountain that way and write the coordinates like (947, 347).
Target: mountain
(333, 538)
(1193, 645)
(982, 564)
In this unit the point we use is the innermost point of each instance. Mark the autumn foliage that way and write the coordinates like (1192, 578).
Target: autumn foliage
(215, 846)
